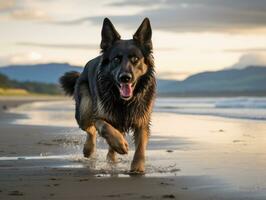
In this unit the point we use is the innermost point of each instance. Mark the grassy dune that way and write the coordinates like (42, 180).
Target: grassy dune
(13, 87)
(13, 92)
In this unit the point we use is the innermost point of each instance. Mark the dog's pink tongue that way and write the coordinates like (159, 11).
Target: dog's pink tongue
(125, 89)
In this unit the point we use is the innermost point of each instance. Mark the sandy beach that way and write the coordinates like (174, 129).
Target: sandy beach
(188, 157)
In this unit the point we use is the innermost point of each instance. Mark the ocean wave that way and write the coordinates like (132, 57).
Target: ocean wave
(241, 103)
(229, 107)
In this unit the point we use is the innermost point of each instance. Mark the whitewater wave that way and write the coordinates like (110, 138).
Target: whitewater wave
(241, 103)
(230, 107)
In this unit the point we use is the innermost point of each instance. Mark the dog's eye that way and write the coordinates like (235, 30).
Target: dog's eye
(117, 60)
(134, 59)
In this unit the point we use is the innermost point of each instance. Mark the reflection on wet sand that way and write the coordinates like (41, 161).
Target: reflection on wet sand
(195, 156)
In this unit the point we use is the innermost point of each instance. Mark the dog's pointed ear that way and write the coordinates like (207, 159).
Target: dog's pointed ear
(109, 34)
(143, 35)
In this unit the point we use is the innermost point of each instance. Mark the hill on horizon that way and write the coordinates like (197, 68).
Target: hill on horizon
(45, 73)
(247, 81)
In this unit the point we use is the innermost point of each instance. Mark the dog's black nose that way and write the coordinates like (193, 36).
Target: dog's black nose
(125, 77)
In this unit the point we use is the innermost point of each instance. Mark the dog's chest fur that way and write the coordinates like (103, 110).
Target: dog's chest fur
(125, 115)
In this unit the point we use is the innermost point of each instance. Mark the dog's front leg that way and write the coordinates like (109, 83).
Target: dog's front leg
(113, 137)
(141, 139)
(89, 146)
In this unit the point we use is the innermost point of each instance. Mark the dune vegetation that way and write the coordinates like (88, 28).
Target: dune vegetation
(12, 87)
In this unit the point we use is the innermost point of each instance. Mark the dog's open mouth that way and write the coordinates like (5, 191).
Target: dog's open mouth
(126, 90)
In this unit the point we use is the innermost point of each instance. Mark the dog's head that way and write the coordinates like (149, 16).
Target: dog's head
(126, 60)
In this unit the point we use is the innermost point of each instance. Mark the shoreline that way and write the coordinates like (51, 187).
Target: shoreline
(7, 102)
(193, 176)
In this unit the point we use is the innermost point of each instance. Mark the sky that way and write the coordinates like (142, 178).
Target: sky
(189, 36)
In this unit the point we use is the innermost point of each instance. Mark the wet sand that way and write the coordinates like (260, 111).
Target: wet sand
(189, 157)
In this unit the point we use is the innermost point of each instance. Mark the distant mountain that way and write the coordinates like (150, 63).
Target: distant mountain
(45, 73)
(166, 86)
(248, 81)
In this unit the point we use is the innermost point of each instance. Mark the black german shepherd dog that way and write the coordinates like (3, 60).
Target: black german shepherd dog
(115, 93)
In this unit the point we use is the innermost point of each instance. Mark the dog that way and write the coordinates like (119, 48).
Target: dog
(115, 93)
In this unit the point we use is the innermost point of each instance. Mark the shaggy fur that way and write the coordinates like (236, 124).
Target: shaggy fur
(125, 67)
(68, 82)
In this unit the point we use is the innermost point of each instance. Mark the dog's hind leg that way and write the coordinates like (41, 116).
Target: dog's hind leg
(141, 139)
(114, 138)
(89, 146)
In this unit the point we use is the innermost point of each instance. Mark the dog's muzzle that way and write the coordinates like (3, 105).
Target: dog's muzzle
(125, 85)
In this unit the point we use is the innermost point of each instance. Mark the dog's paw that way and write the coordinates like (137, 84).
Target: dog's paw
(87, 152)
(117, 141)
(88, 149)
(137, 167)
(111, 156)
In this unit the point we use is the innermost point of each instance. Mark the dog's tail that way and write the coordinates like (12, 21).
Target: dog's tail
(68, 82)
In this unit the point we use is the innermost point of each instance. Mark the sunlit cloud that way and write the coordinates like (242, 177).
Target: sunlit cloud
(22, 10)
(6, 5)
(139, 3)
(244, 50)
(29, 57)
(60, 46)
(250, 59)
(32, 14)
(78, 46)
(173, 75)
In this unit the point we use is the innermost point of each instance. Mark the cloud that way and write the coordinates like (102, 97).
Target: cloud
(244, 50)
(22, 10)
(73, 21)
(78, 46)
(29, 57)
(250, 59)
(173, 75)
(7, 5)
(191, 15)
(4, 60)
(167, 15)
(30, 14)
(18, 58)
(64, 46)
(136, 3)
